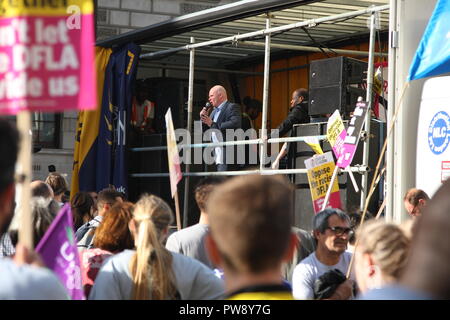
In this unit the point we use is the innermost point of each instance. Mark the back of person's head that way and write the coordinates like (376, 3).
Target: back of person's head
(151, 266)
(57, 182)
(53, 207)
(108, 196)
(9, 147)
(250, 103)
(251, 219)
(41, 210)
(413, 196)
(355, 222)
(113, 233)
(388, 246)
(302, 92)
(81, 205)
(204, 188)
(428, 266)
(320, 220)
(41, 189)
(247, 101)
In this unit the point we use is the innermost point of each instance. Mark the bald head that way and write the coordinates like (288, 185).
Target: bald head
(41, 189)
(217, 95)
(414, 201)
(428, 266)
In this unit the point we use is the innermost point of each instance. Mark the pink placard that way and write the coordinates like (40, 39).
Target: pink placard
(338, 147)
(346, 157)
(46, 66)
(333, 202)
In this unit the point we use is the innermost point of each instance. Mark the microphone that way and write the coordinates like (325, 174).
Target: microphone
(207, 106)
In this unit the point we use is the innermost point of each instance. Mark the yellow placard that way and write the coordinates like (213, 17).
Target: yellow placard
(313, 142)
(44, 8)
(319, 180)
(335, 127)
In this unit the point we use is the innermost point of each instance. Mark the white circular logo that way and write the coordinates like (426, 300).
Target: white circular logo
(439, 132)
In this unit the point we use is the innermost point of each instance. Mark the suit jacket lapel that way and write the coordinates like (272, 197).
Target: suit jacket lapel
(222, 113)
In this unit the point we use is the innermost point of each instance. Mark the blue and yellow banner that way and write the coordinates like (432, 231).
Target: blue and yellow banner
(100, 149)
(85, 153)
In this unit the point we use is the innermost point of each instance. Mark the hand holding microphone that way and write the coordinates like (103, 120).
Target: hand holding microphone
(206, 109)
(204, 114)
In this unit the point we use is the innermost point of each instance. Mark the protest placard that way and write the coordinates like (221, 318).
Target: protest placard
(336, 133)
(320, 170)
(59, 251)
(46, 55)
(353, 133)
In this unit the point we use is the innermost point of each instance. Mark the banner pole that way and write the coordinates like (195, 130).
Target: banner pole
(24, 174)
(189, 130)
(333, 177)
(352, 177)
(177, 210)
(281, 154)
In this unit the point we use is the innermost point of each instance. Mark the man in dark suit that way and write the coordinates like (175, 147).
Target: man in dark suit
(298, 113)
(225, 116)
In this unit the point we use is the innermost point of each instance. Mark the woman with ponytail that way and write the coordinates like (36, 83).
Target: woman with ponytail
(151, 271)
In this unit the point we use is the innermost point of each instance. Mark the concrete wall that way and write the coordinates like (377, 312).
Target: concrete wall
(120, 16)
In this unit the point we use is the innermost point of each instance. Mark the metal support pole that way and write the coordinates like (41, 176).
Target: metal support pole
(369, 100)
(189, 127)
(311, 49)
(393, 39)
(264, 32)
(263, 134)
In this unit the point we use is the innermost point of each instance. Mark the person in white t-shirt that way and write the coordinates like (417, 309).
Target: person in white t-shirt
(332, 231)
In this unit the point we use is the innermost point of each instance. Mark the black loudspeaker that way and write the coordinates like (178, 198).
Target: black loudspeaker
(333, 84)
(300, 151)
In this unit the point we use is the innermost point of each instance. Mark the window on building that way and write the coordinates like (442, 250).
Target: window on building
(46, 129)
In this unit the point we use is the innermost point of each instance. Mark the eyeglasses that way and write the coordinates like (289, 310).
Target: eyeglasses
(339, 231)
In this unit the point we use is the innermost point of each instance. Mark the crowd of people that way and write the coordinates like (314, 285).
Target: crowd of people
(244, 245)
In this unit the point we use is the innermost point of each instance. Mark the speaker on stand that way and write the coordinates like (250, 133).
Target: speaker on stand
(335, 83)
(300, 151)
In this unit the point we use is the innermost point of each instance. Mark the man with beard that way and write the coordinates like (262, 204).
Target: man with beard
(332, 231)
(19, 280)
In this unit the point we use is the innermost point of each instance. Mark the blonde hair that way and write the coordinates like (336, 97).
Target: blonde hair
(387, 244)
(151, 265)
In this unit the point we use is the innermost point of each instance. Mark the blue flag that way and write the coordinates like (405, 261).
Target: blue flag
(112, 168)
(126, 62)
(433, 54)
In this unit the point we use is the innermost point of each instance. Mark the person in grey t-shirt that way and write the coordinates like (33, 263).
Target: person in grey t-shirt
(191, 241)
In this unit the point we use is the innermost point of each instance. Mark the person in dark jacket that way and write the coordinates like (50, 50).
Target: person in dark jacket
(298, 113)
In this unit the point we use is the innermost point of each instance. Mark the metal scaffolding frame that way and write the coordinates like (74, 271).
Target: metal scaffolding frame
(363, 168)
